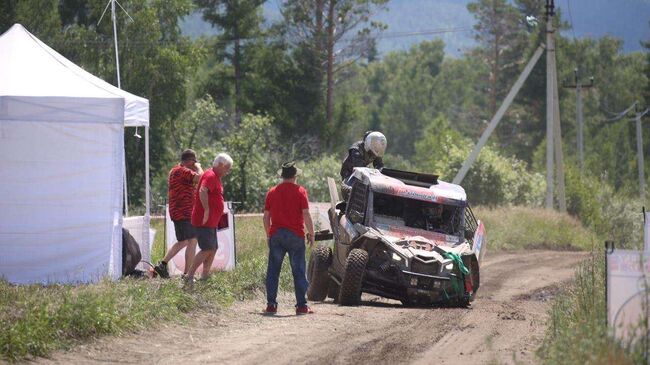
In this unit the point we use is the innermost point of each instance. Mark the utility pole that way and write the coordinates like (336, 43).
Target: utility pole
(553, 128)
(580, 131)
(499, 114)
(639, 149)
(557, 141)
(550, 49)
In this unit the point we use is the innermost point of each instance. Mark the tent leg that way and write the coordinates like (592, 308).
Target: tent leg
(147, 214)
(126, 193)
(146, 172)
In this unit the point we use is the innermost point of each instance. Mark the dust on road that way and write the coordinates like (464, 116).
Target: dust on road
(504, 325)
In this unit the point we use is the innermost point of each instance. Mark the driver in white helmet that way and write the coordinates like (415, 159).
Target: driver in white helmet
(363, 153)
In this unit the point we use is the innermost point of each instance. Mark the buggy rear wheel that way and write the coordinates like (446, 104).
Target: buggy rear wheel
(355, 268)
(317, 275)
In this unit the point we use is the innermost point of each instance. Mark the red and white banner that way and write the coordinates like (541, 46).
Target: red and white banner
(224, 260)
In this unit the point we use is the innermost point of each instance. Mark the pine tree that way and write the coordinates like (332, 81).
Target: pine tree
(239, 20)
(338, 32)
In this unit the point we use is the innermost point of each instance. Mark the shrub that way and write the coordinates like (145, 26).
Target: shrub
(492, 180)
(315, 174)
(612, 215)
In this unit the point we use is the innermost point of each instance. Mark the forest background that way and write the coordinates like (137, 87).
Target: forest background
(307, 83)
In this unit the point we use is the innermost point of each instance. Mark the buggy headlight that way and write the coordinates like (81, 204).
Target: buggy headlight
(396, 257)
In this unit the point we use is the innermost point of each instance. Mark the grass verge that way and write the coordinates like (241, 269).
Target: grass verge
(578, 331)
(36, 319)
(513, 228)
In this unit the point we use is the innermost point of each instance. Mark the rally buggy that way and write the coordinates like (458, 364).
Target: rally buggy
(400, 235)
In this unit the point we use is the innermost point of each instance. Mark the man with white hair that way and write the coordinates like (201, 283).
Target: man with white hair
(206, 213)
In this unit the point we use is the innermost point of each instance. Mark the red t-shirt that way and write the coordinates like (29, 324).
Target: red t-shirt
(211, 181)
(181, 188)
(285, 203)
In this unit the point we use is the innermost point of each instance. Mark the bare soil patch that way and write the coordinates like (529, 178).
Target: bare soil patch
(504, 325)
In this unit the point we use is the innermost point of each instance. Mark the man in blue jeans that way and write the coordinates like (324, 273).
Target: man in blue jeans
(286, 213)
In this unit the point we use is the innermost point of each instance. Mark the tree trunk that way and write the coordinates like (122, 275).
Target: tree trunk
(237, 67)
(495, 78)
(495, 65)
(242, 187)
(329, 107)
(320, 39)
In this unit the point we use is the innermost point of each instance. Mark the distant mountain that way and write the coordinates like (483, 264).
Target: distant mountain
(412, 21)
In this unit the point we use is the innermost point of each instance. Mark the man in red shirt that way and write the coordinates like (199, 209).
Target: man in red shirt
(206, 213)
(286, 212)
(182, 179)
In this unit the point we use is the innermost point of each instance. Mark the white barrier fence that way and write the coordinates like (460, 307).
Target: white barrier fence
(226, 256)
(137, 226)
(628, 289)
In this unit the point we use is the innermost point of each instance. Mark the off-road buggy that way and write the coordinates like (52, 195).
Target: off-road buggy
(400, 235)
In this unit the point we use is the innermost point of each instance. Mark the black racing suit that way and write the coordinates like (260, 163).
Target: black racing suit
(357, 157)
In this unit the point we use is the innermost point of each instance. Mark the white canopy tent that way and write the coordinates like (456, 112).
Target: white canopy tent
(61, 166)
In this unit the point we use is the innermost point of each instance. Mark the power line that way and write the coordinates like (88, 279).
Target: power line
(617, 116)
(383, 35)
(571, 20)
(423, 32)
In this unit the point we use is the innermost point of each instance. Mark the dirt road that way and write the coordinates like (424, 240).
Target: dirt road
(505, 324)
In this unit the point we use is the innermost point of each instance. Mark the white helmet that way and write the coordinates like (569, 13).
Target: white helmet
(375, 142)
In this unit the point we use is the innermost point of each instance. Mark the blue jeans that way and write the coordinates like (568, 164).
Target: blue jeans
(284, 241)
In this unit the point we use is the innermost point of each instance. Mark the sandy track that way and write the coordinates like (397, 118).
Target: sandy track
(505, 324)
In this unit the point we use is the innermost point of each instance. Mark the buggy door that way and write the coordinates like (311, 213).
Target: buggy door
(355, 212)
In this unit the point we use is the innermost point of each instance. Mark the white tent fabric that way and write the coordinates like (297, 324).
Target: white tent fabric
(32, 70)
(61, 153)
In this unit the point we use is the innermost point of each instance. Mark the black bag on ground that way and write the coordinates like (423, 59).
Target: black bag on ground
(131, 255)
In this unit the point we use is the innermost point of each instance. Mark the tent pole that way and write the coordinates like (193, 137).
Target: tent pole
(117, 53)
(126, 194)
(119, 86)
(147, 213)
(146, 173)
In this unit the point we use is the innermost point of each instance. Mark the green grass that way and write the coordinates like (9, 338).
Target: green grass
(578, 331)
(36, 319)
(158, 248)
(513, 228)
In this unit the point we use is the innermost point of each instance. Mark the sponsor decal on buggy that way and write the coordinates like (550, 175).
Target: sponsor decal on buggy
(414, 192)
(401, 232)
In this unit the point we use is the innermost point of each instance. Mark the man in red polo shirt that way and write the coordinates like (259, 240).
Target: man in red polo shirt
(286, 212)
(182, 179)
(206, 213)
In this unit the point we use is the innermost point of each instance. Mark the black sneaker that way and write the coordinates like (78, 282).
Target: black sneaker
(161, 270)
(188, 283)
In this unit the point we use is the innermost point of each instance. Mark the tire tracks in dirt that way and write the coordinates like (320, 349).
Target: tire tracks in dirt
(505, 324)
